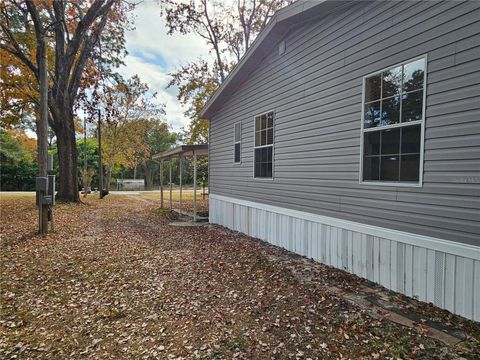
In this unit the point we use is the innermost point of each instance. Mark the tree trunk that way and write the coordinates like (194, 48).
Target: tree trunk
(135, 172)
(67, 160)
(109, 175)
(42, 129)
(148, 177)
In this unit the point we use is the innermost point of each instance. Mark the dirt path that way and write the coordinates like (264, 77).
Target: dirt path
(115, 281)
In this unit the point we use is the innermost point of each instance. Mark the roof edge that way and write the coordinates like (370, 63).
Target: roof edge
(199, 149)
(281, 17)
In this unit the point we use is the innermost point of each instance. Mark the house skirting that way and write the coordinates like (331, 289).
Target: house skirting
(442, 272)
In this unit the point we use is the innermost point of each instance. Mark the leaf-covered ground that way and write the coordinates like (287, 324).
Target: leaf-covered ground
(115, 281)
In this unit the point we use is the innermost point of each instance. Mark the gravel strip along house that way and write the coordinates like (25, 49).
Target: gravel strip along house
(350, 133)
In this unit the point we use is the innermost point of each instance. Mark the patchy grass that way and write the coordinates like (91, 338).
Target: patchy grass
(115, 281)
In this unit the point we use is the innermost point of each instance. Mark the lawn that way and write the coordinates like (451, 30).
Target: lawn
(116, 281)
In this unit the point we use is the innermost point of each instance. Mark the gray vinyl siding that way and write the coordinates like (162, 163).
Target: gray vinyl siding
(315, 89)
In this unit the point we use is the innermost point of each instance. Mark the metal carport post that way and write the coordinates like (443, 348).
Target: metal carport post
(161, 184)
(181, 152)
(180, 180)
(170, 164)
(194, 186)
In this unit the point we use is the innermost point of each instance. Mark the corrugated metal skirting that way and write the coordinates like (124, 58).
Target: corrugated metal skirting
(449, 281)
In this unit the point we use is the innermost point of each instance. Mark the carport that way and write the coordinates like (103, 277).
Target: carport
(180, 152)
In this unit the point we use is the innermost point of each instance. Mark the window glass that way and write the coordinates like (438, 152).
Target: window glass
(392, 82)
(409, 168)
(382, 154)
(258, 123)
(392, 123)
(270, 154)
(237, 142)
(237, 132)
(264, 122)
(411, 139)
(371, 143)
(372, 88)
(390, 141)
(263, 153)
(391, 111)
(270, 119)
(389, 168)
(264, 137)
(257, 138)
(371, 168)
(237, 152)
(258, 169)
(268, 169)
(412, 106)
(413, 75)
(263, 162)
(372, 114)
(270, 136)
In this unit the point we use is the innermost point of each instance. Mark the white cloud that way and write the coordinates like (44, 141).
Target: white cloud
(158, 80)
(153, 55)
(151, 35)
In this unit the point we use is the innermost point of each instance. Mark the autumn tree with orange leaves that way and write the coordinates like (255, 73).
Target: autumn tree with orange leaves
(82, 35)
(18, 93)
(133, 125)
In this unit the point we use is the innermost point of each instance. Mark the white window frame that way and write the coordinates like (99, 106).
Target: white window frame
(399, 125)
(262, 146)
(239, 123)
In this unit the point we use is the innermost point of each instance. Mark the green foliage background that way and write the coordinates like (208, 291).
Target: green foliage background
(17, 169)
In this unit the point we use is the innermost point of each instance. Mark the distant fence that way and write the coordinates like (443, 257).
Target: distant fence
(130, 184)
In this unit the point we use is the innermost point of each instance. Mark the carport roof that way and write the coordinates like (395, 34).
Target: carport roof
(183, 150)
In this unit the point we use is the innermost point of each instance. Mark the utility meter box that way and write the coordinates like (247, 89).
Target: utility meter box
(41, 183)
(47, 200)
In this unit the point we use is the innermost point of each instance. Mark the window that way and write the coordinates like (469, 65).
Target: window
(263, 146)
(237, 143)
(392, 124)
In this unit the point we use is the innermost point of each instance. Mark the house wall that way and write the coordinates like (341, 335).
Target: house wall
(315, 89)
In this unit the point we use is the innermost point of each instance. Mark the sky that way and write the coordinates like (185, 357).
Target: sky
(153, 55)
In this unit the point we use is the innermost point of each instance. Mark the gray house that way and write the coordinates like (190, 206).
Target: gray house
(350, 133)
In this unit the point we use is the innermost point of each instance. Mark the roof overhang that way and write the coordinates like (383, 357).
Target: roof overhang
(182, 151)
(266, 42)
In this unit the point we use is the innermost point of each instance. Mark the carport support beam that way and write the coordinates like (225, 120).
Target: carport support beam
(194, 186)
(180, 180)
(161, 184)
(170, 162)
